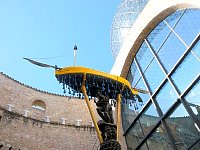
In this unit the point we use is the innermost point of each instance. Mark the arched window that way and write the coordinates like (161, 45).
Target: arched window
(39, 104)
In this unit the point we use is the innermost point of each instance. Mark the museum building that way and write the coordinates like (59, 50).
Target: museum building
(156, 47)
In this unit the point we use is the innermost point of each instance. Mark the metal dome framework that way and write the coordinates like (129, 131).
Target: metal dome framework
(126, 14)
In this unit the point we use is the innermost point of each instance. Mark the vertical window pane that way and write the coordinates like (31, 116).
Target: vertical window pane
(158, 35)
(145, 97)
(135, 74)
(128, 116)
(174, 18)
(130, 77)
(193, 99)
(134, 137)
(189, 25)
(182, 128)
(144, 56)
(145, 146)
(149, 119)
(171, 51)
(159, 140)
(166, 97)
(142, 127)
(196, 49)
(196, 146)
(154, 75)
(186, 72)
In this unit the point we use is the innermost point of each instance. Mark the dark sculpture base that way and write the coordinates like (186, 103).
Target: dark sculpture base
(110, 145)
(109, 135)
(106, 126)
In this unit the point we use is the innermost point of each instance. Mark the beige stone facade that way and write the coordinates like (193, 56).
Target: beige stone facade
(29, 128)
(27, 134)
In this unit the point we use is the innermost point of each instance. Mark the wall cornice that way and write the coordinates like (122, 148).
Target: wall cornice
(27, 86)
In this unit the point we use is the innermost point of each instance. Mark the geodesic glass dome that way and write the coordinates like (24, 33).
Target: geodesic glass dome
(124, 18)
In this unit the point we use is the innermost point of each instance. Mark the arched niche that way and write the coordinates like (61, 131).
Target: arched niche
(39, 104)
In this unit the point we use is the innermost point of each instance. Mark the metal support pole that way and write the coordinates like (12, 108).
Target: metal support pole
(118, 114)
(90, 110)
(75, 49)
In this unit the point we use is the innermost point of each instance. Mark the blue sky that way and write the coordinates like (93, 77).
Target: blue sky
(51, 28)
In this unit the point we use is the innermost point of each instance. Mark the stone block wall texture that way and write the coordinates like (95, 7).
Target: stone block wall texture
(25, 134)
(31, 133)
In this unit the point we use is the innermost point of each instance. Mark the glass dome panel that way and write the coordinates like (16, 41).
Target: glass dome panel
(126, 14)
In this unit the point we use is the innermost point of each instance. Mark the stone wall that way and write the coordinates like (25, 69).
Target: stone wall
(26, 133)
(27, 128)
(22, 97)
